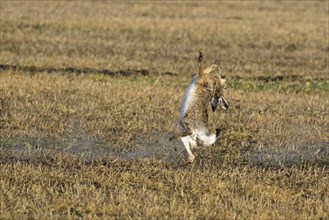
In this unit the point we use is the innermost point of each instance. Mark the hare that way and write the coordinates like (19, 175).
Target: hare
(204, 89)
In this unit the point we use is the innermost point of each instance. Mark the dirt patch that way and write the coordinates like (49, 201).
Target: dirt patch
(300, 156)
(156, 145)
(153, 146)
(79, 143)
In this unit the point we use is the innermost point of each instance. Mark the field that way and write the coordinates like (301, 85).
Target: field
(90, 94)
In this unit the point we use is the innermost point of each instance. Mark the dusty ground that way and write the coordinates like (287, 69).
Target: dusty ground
(90, 94)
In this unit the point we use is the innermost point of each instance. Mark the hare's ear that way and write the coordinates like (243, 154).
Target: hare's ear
(200, 65)
(223, 103)
(214, 102)
(211, 68)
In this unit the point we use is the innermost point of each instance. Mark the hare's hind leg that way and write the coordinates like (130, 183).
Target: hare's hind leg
(187, 141)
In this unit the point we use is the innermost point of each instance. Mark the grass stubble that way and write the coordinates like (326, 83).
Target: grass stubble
(90, 94)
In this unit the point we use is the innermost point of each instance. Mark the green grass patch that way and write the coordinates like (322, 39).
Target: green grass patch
(280, 86)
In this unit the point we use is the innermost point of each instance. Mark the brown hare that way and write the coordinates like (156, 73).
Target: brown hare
(204, 89)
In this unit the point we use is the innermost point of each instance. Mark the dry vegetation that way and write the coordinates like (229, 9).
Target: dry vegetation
(90, 94)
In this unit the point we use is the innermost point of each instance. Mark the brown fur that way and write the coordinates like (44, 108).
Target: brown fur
(207, 87)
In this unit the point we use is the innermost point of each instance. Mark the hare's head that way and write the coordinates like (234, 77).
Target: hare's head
(217, 83)
(218, 90)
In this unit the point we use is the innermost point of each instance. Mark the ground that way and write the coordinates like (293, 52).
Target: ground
(90, 95)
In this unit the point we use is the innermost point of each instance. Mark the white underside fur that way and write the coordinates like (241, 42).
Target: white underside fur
(201, 139)
(195, 140)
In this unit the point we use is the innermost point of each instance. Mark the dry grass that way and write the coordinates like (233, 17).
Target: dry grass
(250, 38)
(90, 94)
